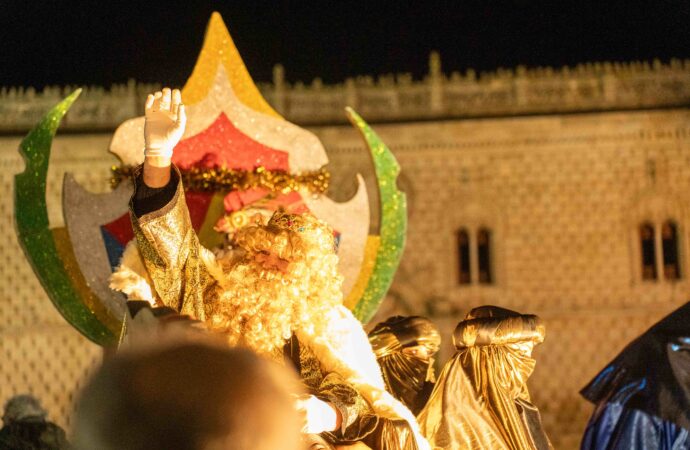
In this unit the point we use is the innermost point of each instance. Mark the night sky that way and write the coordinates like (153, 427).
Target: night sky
(60, 42)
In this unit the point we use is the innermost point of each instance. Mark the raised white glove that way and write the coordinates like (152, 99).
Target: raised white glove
(320, 416)
(165, 122)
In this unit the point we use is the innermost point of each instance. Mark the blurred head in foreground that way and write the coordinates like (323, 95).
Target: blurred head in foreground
(191, 396)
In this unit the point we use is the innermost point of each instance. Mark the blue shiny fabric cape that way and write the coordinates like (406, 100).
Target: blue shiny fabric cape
(642, 397)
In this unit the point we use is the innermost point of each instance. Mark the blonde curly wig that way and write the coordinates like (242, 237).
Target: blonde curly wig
(260, 308)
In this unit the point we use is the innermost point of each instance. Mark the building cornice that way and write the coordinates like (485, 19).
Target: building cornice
(397, 98)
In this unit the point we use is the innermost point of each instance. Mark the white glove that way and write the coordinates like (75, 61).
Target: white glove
(165, 122)
(320, 416)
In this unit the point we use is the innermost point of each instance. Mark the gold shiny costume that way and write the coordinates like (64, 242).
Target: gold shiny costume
(332, 354)
(172, 256)
(408, 376)
(481, 399)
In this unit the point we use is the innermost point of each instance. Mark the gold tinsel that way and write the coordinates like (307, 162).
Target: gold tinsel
(224, 179)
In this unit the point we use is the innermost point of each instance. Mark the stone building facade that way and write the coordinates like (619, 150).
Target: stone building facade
(578, 214)
(40, 353)
(562, 200)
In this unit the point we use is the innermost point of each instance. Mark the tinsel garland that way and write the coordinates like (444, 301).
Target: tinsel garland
(224, 179)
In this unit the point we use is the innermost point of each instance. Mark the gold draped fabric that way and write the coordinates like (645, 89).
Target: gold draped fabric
(454, 419)
(409, 378)
(481, 400)
(398, 332)
(173, 257)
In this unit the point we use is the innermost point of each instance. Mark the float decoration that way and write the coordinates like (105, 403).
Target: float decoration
(49, 251)
(241, 157)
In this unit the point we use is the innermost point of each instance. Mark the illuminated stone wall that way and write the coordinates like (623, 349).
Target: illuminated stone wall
(563, 196)
(39, 352)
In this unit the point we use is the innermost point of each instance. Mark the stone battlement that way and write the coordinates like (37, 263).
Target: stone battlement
(399, 97)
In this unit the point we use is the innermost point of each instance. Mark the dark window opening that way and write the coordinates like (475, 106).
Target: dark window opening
(464, 276)
(648, 252)
(669, 247)
(484, 255)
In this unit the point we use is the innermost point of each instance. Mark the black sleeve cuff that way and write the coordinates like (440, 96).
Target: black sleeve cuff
(147, 199)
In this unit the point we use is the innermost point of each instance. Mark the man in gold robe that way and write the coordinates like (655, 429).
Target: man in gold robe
(277, 292)
(404, 347)
(481, 399)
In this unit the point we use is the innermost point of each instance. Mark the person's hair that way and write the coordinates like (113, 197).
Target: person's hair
(23, 407)
(260, 308)
(189, 397)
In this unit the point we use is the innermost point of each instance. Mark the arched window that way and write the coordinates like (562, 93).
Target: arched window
(475, 255)
(464, 272)
(669, 247)
(648, 250)
(484, 255)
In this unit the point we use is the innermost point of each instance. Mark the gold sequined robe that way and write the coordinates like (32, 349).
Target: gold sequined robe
(334, 359)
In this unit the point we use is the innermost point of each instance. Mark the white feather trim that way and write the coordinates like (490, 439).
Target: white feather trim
(131, 276)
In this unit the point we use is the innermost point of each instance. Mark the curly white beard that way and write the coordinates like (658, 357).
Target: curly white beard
(260, 308)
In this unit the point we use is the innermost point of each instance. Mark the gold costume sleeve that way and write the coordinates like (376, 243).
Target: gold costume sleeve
(360, 424)
(358, 417)
(171, 253)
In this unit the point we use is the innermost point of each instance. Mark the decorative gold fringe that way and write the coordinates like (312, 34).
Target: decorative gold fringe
(224, 179)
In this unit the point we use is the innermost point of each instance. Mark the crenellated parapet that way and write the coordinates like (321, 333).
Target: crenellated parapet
(98, 109)
(504, 92)
(399, 97)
